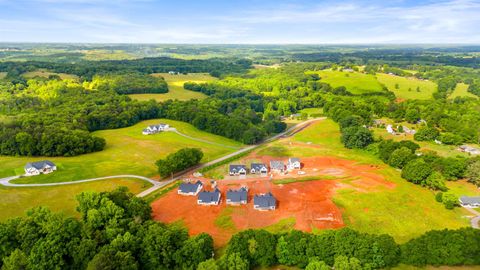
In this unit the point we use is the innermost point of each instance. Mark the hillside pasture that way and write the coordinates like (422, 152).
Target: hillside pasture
(461, 91)
(175, 87)
(407, 87)
(355, 82)
(15, 201)
(45, 74)
(127, 152)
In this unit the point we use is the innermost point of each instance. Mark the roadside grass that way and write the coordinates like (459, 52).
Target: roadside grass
(45, 74)
(355, 82)
(461, 91)
(404, 212)
(312, 112)
(160, 192)
(407, 87)
(127, 152)
(15, 201)
(175, 87)
(224, 220)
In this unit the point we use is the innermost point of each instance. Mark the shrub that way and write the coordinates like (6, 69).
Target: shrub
(417, 171)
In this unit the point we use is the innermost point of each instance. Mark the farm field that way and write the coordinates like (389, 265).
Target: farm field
(127, 152)
(45, 74)
(407, 87)
(355, 82)
(368, 195)
(15, 201)
(461, 91)
(175, 87)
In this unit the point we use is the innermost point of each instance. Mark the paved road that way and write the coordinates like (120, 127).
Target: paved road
(157, 185)
(475, 221)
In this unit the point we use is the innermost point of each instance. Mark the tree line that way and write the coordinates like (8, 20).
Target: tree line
(179, 161)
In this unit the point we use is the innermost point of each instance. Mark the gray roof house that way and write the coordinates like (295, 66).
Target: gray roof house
(209, 197)
(237, 170)
(236, 197)
(258, 168)
(470, 202)
(152, 129)
(190, 189)
(293, 163)
(264, 202)
(36, 168)
(277, 165)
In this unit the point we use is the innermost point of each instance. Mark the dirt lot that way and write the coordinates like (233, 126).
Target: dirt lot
(308, 202)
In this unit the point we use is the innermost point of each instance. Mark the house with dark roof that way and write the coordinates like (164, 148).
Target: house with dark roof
(258, 168)
(36, 168)
(209, 197)
(152, 129)
(294, 163)
(277, 166)
(469, 202)
(190, 189)
(237, 170)
(237, 197)
(264, 202)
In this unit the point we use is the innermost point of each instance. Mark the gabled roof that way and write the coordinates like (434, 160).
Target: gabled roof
(190, 187)
(258, 166)
(238, 195)
(236, 168)
(158, 126)
(277, 165)
(470, 200)
(293, 160)
(39, 165)
(264, 201)
(209, 196)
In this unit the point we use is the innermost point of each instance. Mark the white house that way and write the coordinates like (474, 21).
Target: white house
(469, 149)
(190, 189)
(237, 170)
(293, 163)
(152, 129)
(390, 129)
(469, 202)
(277, 166)
(258, 168)
(36, 168)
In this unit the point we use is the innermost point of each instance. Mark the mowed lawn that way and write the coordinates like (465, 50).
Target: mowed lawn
(355, 82)
(404, 212)
(15, 201)
(127, 152)
(461, 91)
(45, 74)
(175, 87)
(407, 87)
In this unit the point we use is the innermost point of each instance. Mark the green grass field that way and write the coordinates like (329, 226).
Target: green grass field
(15, 201)
(127, 152)
(3, 75)
(461, 91)
(45, 73)
(312, 112)
(175, 87)
(407, 87)
(355, 82)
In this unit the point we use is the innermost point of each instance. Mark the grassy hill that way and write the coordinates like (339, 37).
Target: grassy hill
(407, 87)
(461, 91)
(45, 74)
(175, 87)
(355, 82)
(127, 152)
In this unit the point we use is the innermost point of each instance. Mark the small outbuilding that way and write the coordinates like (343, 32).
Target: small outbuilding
(39, 167)
(209, 197)
(237, 197)
(190, 189)
(470, 202)
(264, 202)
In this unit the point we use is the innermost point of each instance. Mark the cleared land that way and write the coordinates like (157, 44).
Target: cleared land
(461, 91)
(3, 75)
(45, 74)
(127, 152)
(312, 112)
(175, 87)
(369, 195)
(355, 82)
(15, 201)
(407, 87)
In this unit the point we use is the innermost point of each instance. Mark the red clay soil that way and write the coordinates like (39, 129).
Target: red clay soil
(309, 202)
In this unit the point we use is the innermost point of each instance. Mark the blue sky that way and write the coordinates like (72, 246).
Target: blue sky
(248, 21)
